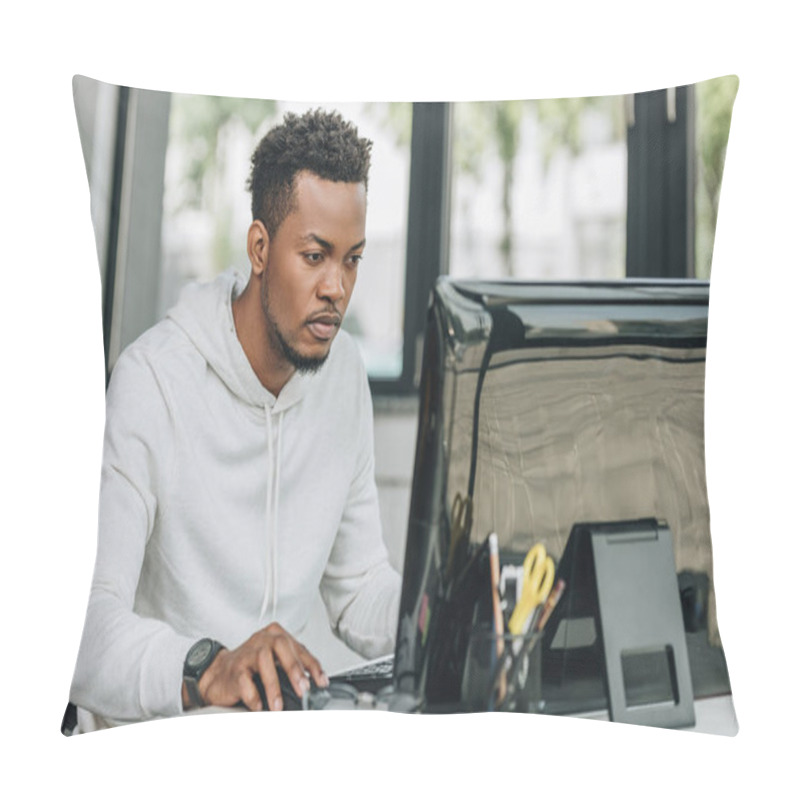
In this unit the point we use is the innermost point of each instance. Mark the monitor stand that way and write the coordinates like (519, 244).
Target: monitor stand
(617, 637)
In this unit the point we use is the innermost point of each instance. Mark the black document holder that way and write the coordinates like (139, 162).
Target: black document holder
(621, 585)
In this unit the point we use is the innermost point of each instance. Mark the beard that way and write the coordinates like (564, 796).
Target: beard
(303, 364)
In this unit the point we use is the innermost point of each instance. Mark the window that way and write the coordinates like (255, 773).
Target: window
(539, 189)
(552, 189)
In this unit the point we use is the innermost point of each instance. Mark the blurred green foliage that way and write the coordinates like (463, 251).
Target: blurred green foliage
(196, 122)
(486, 127)
(481, 128)
(561, 121)
(713, 111)
(196, 125)
(394, 117)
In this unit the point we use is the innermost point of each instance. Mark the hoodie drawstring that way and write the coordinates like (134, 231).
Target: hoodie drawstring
(271, 516)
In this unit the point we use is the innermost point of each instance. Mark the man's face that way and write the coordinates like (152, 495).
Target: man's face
(311, 269)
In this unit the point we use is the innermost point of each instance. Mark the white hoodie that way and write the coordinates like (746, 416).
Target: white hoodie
(224, 508)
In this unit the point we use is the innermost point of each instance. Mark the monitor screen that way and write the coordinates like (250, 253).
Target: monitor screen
(543, 405)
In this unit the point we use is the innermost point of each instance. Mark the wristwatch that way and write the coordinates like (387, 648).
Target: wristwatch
(198, 660)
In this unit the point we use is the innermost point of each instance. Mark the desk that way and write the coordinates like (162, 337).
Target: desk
(713, 715)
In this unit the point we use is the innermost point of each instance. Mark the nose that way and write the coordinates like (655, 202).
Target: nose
(331, 283)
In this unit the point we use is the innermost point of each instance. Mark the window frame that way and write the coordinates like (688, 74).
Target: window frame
(660, 211)
(661, 184)
(427, 236)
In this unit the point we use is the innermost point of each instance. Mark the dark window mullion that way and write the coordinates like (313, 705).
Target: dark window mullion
(427, 245)
(660, 225)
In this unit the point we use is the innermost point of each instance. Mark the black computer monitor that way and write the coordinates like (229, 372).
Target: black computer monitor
(543, 405)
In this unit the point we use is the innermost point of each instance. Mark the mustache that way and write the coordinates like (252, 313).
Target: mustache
(328, 316)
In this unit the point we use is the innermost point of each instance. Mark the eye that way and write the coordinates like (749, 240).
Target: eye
(314, 257)
(355, 259)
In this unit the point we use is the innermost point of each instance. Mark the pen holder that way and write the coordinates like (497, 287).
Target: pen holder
(502, 673)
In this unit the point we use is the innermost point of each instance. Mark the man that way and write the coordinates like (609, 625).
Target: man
(238, 472)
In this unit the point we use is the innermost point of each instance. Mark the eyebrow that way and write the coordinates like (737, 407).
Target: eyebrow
(324, 243)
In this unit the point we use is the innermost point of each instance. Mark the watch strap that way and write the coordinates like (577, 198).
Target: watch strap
(193, 670)
(193, 690)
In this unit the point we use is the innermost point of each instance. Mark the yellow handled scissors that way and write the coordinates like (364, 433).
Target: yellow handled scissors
(538, 572)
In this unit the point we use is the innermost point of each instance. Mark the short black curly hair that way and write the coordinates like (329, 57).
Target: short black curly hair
(319, 142)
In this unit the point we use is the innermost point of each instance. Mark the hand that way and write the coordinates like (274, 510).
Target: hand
(229, 678)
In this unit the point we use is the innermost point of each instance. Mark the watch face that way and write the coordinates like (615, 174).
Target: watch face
(199, 653)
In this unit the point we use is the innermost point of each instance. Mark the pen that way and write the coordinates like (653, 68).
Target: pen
(549, 605)
(494, 566)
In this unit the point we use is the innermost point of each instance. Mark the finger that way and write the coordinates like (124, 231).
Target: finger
(248, 690)
(313, 667)
(286, 651)
(269, 679)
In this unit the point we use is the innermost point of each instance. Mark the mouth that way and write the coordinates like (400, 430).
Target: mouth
(324, 326)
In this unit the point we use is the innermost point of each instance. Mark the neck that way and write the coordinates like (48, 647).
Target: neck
(251, 329)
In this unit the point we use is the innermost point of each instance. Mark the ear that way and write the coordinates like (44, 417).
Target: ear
(257, 246)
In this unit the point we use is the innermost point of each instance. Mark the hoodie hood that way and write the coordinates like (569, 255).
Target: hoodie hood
(204, 313)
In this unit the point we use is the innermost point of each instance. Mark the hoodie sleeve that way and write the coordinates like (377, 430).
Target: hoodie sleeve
(129, 667)
(360, 588)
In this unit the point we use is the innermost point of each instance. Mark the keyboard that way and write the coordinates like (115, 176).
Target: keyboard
(372, 676)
